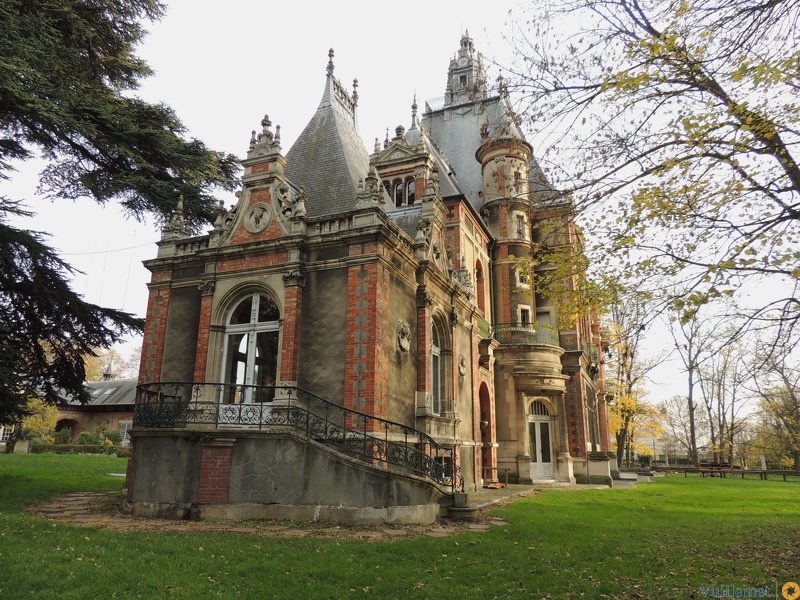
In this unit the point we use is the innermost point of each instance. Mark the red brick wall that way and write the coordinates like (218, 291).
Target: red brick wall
(201, 357)
(242, 262)
(153, 340)
(290, 345)
(215, 474)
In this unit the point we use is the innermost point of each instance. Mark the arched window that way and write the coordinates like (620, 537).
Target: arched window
(251, 350)
(437, 372)
(398, 193)
(410, 187)
(481, 291)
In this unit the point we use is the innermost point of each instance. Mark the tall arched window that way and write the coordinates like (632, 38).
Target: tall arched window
(410, 187)
(437, 372)
(481, 291)
(398, 193)
(251, 349)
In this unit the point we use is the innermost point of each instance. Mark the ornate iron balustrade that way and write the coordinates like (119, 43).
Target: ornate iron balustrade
(226, 406)
(526, 333)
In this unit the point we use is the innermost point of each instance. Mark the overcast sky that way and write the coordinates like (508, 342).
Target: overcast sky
(223, 65)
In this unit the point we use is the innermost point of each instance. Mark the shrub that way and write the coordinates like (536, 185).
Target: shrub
(89, 439)
(115, 437)
(63, 436)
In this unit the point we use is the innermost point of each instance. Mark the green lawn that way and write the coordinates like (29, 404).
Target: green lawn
(660, 540)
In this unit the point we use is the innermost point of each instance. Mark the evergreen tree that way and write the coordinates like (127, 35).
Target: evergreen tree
(67, 81)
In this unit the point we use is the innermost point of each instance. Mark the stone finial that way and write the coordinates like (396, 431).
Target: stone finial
(370, 191)
(330, 62)
(399, 131)
(175, 225)
(386, 141)
(414, 111)
(377, 147)
(265, 142)
(355, 92)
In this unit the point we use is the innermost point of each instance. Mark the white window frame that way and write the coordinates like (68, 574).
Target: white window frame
(524, 308)
(518, 282)
(437, 371)
(521, 225)
(251, 331)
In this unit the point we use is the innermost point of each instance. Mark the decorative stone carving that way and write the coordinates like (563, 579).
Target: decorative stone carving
(264, 143)
(436, 253)
(462, 365)
(423, 231)
(424, 299)
(295, 277)
(451, 271)
(370, 191)
(258, 217)
(403, 335)
(207, 288)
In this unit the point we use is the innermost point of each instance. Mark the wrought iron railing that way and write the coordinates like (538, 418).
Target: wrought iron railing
(226, 406)
(526, 333)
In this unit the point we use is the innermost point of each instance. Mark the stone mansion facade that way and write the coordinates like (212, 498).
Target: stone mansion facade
(355, 339)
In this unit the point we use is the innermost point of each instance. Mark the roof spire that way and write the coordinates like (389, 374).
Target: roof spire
(355, 92)
(330, 62)
(414, 112)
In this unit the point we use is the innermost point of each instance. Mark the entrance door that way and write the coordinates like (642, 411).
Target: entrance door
(541, 440)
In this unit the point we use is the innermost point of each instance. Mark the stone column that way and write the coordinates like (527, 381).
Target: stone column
(565, 470)
(424, 304)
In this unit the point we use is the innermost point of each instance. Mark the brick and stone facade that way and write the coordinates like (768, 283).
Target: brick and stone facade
(387, 284)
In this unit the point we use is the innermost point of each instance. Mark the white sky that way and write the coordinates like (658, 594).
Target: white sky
(222, 65)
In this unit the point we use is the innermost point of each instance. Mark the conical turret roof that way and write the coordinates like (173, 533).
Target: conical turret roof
(329, 157)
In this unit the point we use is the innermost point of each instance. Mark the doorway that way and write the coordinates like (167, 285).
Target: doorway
(541, 440)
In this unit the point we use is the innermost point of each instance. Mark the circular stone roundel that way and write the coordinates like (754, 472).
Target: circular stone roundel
(257, 217)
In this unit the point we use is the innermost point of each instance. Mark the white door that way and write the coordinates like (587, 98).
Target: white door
(541, 441)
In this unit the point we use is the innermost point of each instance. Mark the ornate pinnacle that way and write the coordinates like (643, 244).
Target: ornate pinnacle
(355, 91)
(330, 62)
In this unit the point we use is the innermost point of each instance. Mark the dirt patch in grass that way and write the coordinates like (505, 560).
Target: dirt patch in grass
(106, 510)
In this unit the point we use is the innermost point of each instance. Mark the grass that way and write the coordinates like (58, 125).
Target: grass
(660, 540)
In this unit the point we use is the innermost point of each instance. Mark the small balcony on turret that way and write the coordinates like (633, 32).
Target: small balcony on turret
(533, 334)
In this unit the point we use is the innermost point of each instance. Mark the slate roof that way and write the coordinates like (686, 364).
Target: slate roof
(329, 157)
(456, 132)
(115, 392)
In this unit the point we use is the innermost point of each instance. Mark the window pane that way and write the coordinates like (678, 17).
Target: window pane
(236, 366)
(534, 452)
(545, 429)
(243, 312)
(398, 194)
(410, 196)
(436, 399)
(267, 309)
(266, 367)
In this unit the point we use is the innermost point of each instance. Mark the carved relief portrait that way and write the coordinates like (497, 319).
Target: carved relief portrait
(403, 335)
(258, 217)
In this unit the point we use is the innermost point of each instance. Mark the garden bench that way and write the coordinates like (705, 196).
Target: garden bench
(761, 474)
(715, 470)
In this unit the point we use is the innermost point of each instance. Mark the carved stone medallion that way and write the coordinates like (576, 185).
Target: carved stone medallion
(258, 217)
